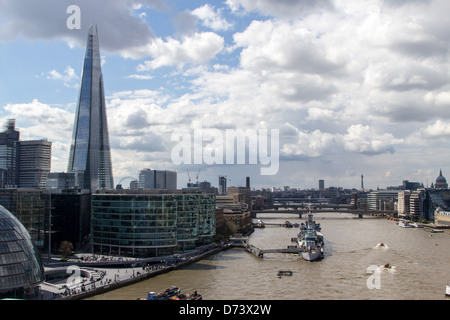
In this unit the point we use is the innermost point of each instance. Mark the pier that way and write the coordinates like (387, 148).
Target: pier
(240, 241)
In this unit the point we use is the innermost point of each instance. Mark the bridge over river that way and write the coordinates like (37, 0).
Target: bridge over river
(301, 211)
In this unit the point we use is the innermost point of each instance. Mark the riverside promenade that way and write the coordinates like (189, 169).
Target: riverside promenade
(86, 275)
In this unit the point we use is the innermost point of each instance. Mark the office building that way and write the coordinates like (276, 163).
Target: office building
(151, 223)
(9, 171)
(205, 186)
(23, 164)
(235, 215)
(222, 185)
(425, 202)
(146, 179)
(382, 200)
(30, 207)
(403, 206)
(416, 203)
(411, 186)
(35, 158)
(71, 218)
(240, 194)
(61, 180)
(90, 154)
(321, 184)
(442, 217)
(157, 180)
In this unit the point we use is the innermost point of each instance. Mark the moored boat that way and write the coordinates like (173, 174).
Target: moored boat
(172, 293)
(447, 290)
(416, 225)
(195, 296)
(182, 296)
(310, 240)
(404, 223)
(165, 295)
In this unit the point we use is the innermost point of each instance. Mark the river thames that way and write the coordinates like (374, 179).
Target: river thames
(420, 263)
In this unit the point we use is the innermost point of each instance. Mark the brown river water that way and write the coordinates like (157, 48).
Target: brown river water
(420, 263)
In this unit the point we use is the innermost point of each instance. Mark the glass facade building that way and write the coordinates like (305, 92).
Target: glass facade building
(151, 224)
(30, 207)
(90, 154)
(35, 158)
(21, 268)
(9, 170)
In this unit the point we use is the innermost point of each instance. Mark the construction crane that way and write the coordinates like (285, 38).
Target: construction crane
(189, 176)
(198, 173)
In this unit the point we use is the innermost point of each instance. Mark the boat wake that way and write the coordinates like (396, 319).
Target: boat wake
(389, 268)
(381, 246)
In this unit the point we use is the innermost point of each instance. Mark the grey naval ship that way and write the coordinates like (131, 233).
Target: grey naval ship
(310, 240)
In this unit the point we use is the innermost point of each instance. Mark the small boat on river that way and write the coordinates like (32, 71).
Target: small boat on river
(284, 273)
(172, 293)
(404, 223)
(165, 295)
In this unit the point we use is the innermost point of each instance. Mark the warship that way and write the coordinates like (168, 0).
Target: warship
(310, 240)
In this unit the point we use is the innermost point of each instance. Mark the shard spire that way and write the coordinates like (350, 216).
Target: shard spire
(90, 154)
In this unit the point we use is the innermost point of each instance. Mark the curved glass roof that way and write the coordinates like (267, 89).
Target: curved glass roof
(20, 263)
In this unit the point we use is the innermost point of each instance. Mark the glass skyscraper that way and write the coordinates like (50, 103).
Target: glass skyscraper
(90, 154)
(9, 169)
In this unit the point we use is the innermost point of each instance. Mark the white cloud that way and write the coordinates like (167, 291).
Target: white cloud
(119, 29)
(281, 8)
(37, 120)
(197, 48)
(346, 82)
(212, 19)
(358, 139)
(49, 119)
(366, 140)
(140, 77)
(69, 78)
(439, 129)
(272, 46)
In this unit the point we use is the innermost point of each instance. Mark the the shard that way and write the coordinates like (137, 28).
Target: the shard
(90, 154)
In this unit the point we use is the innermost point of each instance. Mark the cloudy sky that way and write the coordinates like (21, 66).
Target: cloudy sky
(354, 87)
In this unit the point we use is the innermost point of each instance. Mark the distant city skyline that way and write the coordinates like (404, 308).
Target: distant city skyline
(353, 88)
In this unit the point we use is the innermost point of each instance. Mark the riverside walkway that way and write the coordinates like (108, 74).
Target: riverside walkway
(79, 279)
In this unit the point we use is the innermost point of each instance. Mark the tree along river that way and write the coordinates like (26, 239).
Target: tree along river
(420, 263)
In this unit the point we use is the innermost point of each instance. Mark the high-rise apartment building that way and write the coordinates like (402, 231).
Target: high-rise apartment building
(90, 154)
